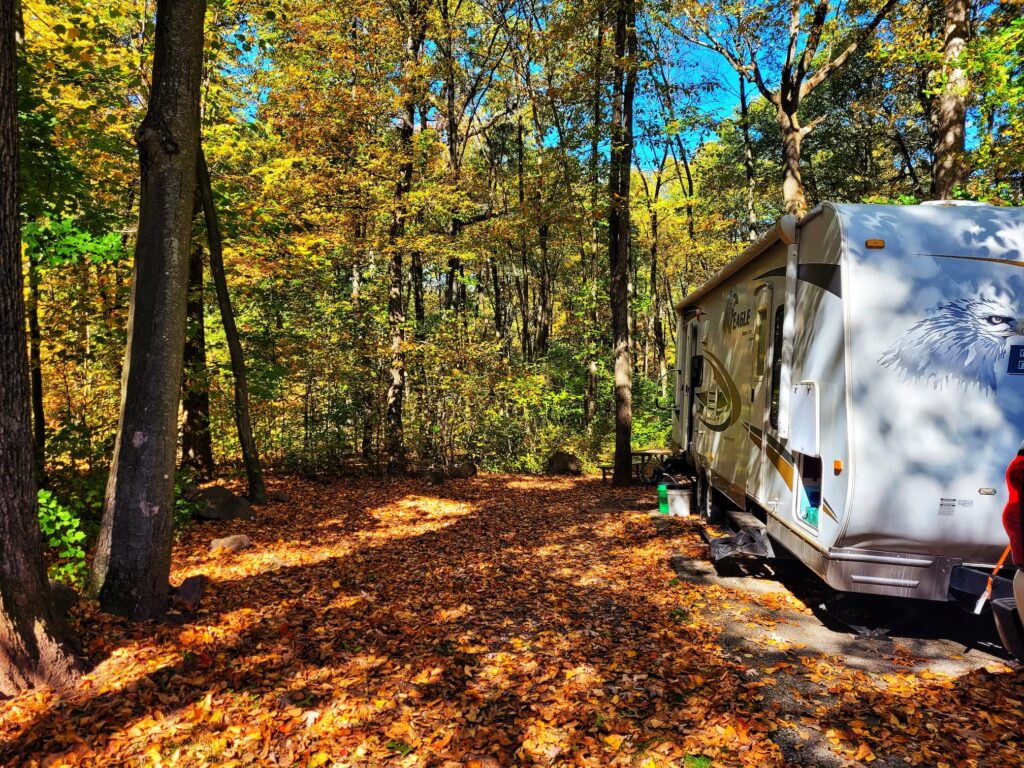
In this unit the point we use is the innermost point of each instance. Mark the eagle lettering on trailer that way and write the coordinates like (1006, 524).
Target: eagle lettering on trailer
(961, 342)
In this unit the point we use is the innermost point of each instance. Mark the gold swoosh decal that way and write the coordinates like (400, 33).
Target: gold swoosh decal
(721, 418)
(1007, 262)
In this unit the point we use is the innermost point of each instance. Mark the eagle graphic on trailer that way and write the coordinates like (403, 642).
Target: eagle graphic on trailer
(866, 363)
(961, 342)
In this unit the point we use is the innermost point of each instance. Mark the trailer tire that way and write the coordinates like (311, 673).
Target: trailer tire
(710, 511)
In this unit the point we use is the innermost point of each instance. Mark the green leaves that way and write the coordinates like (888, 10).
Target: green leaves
(58, 242)
(62, 532)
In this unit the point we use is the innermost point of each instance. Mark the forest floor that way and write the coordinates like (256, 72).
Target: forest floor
(512, 621)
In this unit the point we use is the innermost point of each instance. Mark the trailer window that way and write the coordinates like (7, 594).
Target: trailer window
(696, 372)
(761, 331)
(773, 415)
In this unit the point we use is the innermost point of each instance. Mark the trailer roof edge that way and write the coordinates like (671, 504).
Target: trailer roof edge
(784, 230)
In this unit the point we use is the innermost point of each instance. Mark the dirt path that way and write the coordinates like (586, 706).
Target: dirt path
(502, 621)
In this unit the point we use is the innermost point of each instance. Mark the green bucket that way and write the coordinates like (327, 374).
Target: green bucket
(663, 498)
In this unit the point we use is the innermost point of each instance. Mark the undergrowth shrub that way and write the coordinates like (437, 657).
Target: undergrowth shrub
(63, 533)
(184, 505)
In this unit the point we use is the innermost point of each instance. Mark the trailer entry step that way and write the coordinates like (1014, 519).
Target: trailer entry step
(741, 520)
(749, 542)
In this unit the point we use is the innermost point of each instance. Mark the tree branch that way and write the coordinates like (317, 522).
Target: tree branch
(811, 125)
(813, 41)
(825, 72)
(794, 36)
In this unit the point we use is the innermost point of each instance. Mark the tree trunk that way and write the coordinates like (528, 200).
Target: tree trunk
(523, 291)
(452, 279)
(792, 183)
(250, 455)
(658, 329)
(396, 390)
(36, 368)
(748, 160)
(590, 270)
(395, 430)
(33, 650)
(623, 90)
(366, 443)
(499, 301)
(590, 393)
(196, 442)
(949, 110)
(908, 161)
(133, 553)
(416, 274)
(523, 286)
(545, 295)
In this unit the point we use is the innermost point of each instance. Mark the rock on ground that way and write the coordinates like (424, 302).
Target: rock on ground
(218, 503)
(464, 470)
(564, 463)
(188, 594)
(231, 543)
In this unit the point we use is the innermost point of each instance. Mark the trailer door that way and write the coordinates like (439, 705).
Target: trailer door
(760, 393)
(691, 370)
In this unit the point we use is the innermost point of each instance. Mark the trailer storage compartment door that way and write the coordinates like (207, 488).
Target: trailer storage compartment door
(805, 419)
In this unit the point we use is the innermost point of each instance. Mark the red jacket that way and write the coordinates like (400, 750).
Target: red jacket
(1013, 515)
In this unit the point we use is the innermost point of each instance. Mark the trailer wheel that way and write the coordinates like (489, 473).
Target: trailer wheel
(710, 511)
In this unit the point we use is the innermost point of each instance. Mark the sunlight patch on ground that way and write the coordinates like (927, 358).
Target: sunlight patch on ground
(413, 516)
(541, 484)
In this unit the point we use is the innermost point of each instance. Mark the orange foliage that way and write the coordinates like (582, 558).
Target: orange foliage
(499, 621)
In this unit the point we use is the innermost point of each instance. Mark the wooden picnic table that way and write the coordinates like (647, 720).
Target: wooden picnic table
(643, 457)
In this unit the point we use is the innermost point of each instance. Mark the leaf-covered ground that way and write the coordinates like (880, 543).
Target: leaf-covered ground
(499, 621)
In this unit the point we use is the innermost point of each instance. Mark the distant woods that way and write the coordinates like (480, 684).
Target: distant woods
(397, 234)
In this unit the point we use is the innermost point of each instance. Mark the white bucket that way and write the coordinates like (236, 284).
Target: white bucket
(679, 501)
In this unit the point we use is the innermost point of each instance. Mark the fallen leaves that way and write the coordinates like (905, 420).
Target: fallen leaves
(502, 621)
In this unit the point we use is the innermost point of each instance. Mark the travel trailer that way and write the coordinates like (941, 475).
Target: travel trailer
(850, 388)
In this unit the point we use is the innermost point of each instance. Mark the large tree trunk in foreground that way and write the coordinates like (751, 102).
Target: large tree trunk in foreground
(250, 456)
(949, 107)
(133, 554)
(623, 89)
(32, 649)
(196, 442)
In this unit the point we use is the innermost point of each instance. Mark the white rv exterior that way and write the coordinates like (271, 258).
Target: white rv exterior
(856, 380)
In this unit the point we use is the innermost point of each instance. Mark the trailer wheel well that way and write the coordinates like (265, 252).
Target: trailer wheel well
(710, 500)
